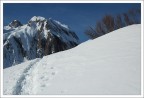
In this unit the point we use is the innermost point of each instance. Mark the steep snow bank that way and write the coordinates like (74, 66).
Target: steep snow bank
(107, 65)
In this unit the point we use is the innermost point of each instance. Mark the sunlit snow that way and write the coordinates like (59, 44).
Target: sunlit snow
(108, 65)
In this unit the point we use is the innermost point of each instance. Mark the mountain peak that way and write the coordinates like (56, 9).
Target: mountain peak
(37, 18)
(38, 38)
(15, 23)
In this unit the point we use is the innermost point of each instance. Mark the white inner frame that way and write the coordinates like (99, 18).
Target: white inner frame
(70, 1)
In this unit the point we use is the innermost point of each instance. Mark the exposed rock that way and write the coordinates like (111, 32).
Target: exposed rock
(36, 39)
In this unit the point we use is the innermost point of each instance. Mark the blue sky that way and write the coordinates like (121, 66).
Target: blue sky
(78, 16)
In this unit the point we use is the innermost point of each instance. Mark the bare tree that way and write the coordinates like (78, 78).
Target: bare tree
(91, 33)
(118, 22)
(127, 19)
(99, 29)
(108, 21)
(132, 15)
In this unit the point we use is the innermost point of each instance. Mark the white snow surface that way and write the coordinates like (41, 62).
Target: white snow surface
(108, 65)
(37, 18)
(7, 27)
(63, 25)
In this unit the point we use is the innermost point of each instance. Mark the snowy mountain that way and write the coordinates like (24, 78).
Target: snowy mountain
(108, 65)
(37, 38)
(14, 24)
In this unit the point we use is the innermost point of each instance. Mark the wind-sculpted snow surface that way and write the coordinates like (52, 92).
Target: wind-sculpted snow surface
(108, 65)
(37, 38)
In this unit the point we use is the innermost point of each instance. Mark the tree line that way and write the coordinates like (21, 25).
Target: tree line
(110, 23)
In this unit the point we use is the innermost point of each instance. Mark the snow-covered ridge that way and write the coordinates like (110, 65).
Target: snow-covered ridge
(37, 18)
(7, 27)
(63, 25)
(108, 65)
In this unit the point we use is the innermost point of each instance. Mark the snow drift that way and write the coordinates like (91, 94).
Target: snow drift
(108, 65)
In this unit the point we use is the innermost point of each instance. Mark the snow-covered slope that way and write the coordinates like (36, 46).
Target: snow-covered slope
(37, 38)
(107, 65)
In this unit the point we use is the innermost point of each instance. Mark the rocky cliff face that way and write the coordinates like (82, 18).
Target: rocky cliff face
(37, 38)
(15, 23)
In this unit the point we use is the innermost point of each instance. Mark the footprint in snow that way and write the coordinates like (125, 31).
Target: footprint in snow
(63, 91)
(52, 68)
(53, 73)
(46, 79)
(43, 85)
(41, 77)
